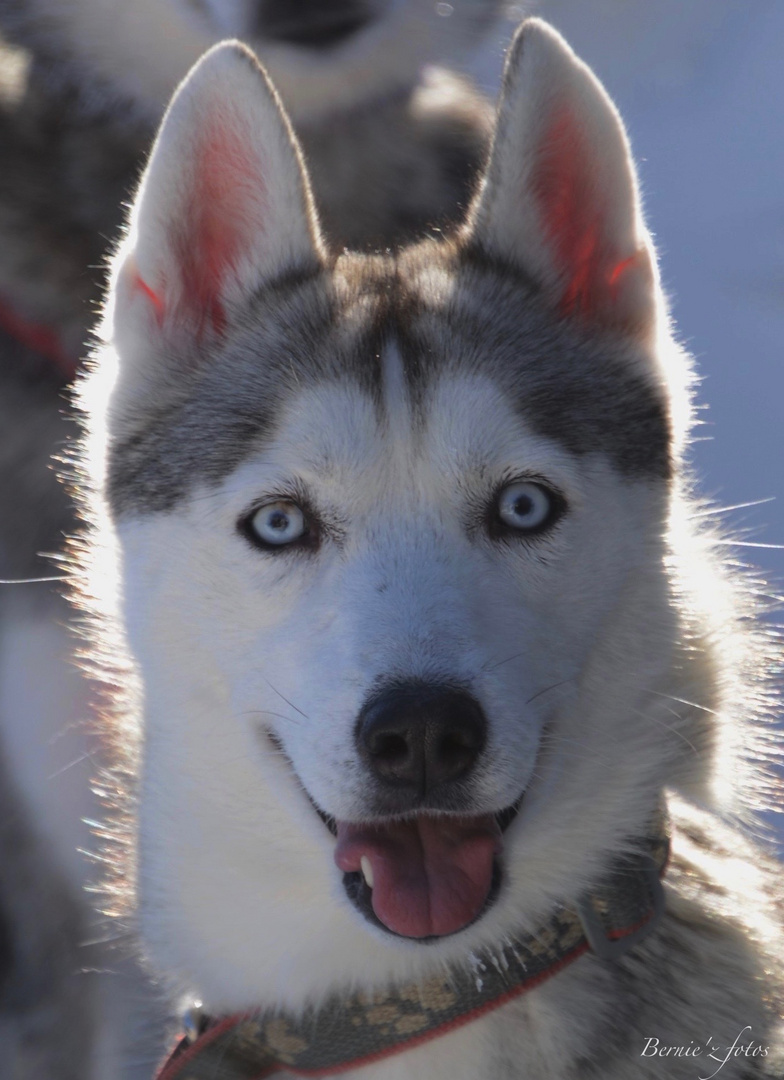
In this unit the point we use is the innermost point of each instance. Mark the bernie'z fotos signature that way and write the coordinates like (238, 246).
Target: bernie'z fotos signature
(743, 1046)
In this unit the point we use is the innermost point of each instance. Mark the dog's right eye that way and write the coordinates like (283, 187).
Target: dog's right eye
(525, 508)
(276, 524)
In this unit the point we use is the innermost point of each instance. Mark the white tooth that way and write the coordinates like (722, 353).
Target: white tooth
(367, 871)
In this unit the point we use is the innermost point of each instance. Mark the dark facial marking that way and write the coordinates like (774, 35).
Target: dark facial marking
(290, 337)
(584, 392)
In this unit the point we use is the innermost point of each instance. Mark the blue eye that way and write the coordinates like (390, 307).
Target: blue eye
(527, 507)
(278, 523)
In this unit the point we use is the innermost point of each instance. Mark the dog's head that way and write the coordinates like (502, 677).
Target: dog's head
(393, 540)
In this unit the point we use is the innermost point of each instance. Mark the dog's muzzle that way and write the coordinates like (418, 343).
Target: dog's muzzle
(314, 24)
(426, 867)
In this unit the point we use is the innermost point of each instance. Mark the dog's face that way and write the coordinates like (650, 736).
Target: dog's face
(393, 539)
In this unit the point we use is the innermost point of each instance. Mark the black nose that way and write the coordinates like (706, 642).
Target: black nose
(419, 738)
(312, 23)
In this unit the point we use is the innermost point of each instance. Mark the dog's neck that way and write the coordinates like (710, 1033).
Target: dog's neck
(359, 1029)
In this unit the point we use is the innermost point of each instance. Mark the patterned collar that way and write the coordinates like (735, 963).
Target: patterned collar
(347, 1032)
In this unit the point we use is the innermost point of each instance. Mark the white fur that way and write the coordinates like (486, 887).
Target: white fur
(255, 634)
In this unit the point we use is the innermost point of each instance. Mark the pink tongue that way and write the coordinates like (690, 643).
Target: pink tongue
(431, 875)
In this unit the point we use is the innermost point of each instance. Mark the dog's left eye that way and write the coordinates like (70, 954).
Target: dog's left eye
(276, 524)
(527, 507)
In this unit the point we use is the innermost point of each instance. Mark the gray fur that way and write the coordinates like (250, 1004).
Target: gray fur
(566, 385)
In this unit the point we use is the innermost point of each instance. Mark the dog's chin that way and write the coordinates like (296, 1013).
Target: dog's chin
(423, 877)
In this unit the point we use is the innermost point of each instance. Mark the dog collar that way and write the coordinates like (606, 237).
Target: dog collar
(348, 1032)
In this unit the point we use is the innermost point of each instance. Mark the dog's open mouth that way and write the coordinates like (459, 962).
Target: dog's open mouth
(426, 876)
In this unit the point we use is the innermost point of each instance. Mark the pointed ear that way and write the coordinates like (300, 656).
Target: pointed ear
(559, 198)
(223, 206)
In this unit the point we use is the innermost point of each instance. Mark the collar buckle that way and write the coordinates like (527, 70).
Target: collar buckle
(611, 942)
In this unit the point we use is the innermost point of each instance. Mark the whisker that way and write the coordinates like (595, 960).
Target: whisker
(715, 510)
(749, 544)
(492, 667)
(284, 698)
(678, 701)
(87, 756)
(667, 727)
(547, 689)
(255, 713)
(32, 580)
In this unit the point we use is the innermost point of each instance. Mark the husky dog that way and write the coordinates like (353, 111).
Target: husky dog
(82, 86)
(427, 637)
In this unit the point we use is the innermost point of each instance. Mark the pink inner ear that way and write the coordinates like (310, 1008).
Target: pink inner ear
(221, 206)
(564, 184)
(138, 283)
